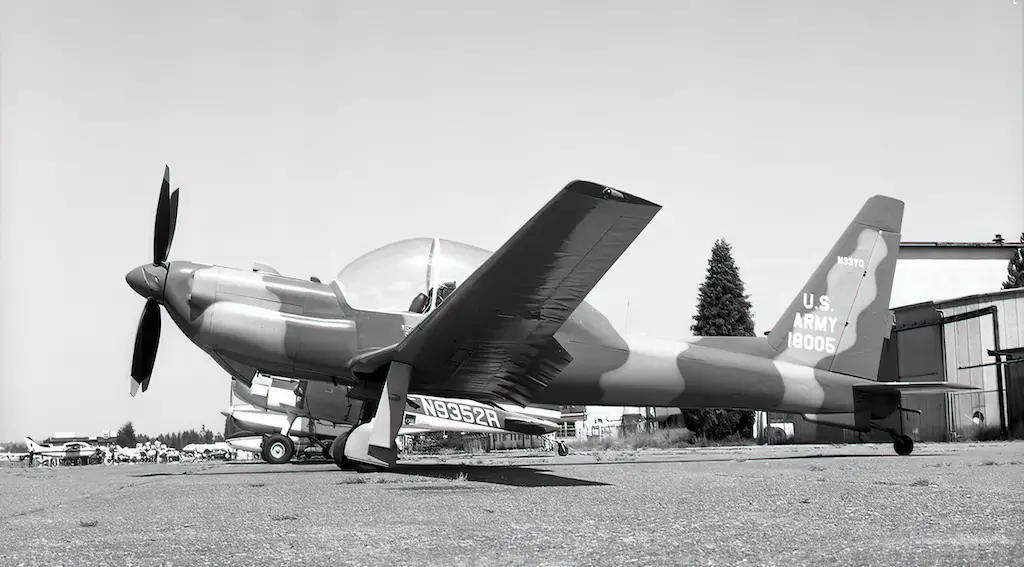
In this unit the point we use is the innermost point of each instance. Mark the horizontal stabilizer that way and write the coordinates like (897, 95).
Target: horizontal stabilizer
(917, 387)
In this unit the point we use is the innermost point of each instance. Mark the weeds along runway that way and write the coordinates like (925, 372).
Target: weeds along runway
(956, 504)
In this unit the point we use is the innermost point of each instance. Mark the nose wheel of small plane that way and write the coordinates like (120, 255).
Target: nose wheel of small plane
(278, 449)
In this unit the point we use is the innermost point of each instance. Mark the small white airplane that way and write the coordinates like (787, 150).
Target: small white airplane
(208, 450)
(73, 451)
(285, 417)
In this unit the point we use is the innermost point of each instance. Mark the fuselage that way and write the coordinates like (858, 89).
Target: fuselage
(294, 328)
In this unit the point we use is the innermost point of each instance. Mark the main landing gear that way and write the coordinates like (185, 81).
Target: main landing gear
(277, 449)
(370, 445)
(563, 449)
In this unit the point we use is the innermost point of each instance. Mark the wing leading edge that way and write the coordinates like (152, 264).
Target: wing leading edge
(493, 338)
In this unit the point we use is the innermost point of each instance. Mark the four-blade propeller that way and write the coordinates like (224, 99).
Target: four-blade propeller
(149, 281)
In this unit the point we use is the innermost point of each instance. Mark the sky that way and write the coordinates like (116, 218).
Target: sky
(305, 134)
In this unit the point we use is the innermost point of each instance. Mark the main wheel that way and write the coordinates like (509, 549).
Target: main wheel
(278, 449)
(337, 452)
(903, 444)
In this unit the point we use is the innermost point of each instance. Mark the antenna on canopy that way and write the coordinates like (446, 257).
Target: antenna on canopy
(435, 254)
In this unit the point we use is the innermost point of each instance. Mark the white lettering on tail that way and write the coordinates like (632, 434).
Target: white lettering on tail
(849, 261)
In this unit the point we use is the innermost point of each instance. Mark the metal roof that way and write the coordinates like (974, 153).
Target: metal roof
(959, 250)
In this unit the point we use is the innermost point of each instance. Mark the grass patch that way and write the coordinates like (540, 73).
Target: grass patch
(981, 433)
(462, 477)
(284, 517)
(672, 438)
(817, 468)
(88, 523)
(921, 482)
(257, 485)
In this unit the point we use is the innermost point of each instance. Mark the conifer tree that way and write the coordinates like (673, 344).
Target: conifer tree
(1015, 270)
(723, 309)
(126, 436)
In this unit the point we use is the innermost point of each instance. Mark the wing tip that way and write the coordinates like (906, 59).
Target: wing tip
(599, 191)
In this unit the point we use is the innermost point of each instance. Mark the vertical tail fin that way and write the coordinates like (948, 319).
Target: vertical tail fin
(839, 318)
(33, 447)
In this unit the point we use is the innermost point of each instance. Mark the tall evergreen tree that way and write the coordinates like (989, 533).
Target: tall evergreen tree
(1015, 269)
(126, 436)
(723, 309)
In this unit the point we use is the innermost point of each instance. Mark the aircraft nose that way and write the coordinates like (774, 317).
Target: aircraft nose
(147, 280)
(137, 280)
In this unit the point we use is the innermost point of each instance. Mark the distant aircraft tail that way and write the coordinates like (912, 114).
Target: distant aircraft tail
(33, 447)
(839, 318)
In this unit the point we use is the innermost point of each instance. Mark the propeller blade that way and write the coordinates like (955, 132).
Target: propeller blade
(162, 229)
(174, 222)
(147, 339)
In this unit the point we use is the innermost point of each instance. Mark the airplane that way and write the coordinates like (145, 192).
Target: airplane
(73, 451)
(278, 410)
(512, 326)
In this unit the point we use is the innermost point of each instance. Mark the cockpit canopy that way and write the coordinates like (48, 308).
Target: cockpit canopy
(410, 276)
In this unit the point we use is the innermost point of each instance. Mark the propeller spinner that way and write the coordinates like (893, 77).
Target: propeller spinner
(148, 281)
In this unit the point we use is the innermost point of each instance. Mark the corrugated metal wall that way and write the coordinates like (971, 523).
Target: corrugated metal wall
(967, 345)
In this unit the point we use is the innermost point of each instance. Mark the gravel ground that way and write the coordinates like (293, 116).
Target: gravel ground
(957, 504)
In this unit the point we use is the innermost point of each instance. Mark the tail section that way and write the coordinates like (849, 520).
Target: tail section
(838, 320)
(33, 447)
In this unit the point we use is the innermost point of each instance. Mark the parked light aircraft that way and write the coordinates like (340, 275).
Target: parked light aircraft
(513, 326)
(280, 409)
(77, 451)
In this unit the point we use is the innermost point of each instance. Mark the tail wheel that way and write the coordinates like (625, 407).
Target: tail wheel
(563, 450)
(903, 444)
(278, 449)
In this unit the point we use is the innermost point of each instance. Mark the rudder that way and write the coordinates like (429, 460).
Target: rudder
(839, 318)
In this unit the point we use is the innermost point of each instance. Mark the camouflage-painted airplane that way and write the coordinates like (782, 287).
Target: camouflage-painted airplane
(280, 409)
(513, 326)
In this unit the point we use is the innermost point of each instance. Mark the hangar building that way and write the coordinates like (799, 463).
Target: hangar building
(976, 340)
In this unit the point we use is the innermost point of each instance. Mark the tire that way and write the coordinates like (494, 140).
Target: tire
(278, 449)
(337, 451)
(903, 445)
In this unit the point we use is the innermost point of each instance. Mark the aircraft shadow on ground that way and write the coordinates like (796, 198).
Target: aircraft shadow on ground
(721, 459)
(508, 475)
(524, 475)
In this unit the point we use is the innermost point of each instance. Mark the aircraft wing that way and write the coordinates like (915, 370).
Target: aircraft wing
(918, 387)
(493, 337)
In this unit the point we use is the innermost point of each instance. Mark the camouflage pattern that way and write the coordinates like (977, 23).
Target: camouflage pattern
(541, 343)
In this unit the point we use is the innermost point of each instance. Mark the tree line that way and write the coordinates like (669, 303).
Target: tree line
(128, 437)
